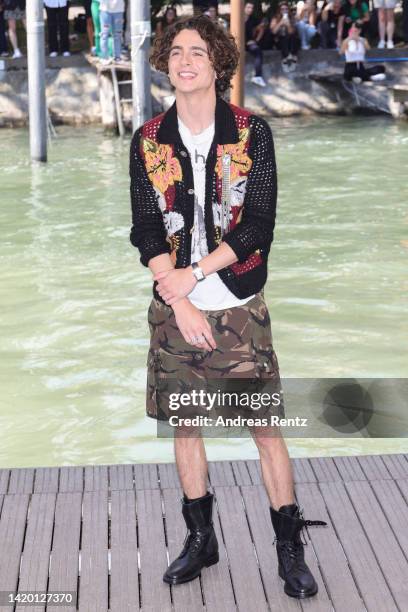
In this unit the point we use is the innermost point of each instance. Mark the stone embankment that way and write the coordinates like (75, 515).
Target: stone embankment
(79, 93)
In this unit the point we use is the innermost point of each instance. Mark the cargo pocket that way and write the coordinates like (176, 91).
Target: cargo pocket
(268, 382)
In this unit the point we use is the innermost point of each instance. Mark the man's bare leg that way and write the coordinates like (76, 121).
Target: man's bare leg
(200, 548)
(275, 464)
(191, 462)
(287, 522)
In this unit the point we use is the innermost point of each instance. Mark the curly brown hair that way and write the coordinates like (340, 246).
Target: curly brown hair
(222, 49)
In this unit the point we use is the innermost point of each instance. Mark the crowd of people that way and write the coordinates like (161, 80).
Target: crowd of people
(105, 26)
(293, 26)
(307, 24)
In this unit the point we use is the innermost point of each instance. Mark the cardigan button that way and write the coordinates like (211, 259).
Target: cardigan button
(183, 153)
(190, 191)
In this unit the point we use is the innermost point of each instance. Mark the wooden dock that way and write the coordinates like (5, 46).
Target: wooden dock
(108, 532)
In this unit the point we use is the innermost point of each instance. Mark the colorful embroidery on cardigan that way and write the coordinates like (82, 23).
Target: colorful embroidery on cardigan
(163, 169)
(241, 164)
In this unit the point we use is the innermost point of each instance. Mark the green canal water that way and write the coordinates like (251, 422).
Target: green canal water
(74, 296)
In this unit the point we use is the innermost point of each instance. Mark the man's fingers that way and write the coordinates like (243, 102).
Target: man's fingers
(210, 339)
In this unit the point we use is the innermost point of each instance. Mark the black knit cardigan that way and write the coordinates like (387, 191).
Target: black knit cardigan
(250, 238)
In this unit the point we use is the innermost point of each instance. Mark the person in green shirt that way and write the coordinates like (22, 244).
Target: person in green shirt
(352, 11)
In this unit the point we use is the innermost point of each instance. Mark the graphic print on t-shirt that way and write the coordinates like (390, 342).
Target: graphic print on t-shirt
(199, 247)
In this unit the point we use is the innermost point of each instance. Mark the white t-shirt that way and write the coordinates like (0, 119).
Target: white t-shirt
(210, 293)
(355, 50)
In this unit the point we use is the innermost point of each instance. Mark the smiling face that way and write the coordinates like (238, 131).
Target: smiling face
(190, 68)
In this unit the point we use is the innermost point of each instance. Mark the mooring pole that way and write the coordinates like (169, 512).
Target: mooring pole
(141, 74)
(36, 80)
(237, 30)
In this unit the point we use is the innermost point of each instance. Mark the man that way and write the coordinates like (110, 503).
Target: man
(208, 313)
(254, 30)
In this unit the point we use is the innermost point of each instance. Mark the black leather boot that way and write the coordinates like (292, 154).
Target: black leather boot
(288, 523)
(200, 547)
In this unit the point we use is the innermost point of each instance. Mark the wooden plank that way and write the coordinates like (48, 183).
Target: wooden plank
(37, 546)
(395, 508)
(330, 555)
(241, 473)
(325, 469)
(403, 487)
(186, 597)
(246, 578)
(257, 509)
(93, 584)
(155, 594)
(216, 579)
(4, 480)
(168, 476)
(96, 478)
(397, 465)
(46, 480)
(121, 477)
(389, 555)
(349, 468)
(124, 591)
(21, 480)
(146, 476)
(220, 474)
(64, 569)
(71, 479)
(373, 467)
(12, 528)
(302, 471)
(254, 469)
(373, 588)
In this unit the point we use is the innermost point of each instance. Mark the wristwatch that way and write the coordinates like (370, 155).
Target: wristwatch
(197, 271)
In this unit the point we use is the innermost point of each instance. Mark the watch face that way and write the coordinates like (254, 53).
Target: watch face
(198, 273)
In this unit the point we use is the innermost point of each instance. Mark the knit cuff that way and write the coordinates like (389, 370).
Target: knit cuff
(236, 245)
(148, 254)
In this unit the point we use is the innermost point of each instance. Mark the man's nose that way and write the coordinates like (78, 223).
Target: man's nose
(186, 58)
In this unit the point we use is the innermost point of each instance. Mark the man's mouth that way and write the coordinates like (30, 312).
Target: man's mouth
(186, 74)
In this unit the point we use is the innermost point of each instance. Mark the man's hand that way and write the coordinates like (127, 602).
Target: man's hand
(175, 284)
(193, 324)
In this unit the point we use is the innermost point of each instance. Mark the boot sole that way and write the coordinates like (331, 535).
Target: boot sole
(297, 594)
(210, 561)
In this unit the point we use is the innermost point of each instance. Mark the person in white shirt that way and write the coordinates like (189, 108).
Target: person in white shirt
(223, 156)
(111, 16)
(354, 47)
(58, 27)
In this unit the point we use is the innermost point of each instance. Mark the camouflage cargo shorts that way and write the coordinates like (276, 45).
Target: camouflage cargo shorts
(244, 351)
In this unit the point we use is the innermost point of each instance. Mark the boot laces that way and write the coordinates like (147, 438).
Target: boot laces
(294, 547)
(193, 542)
